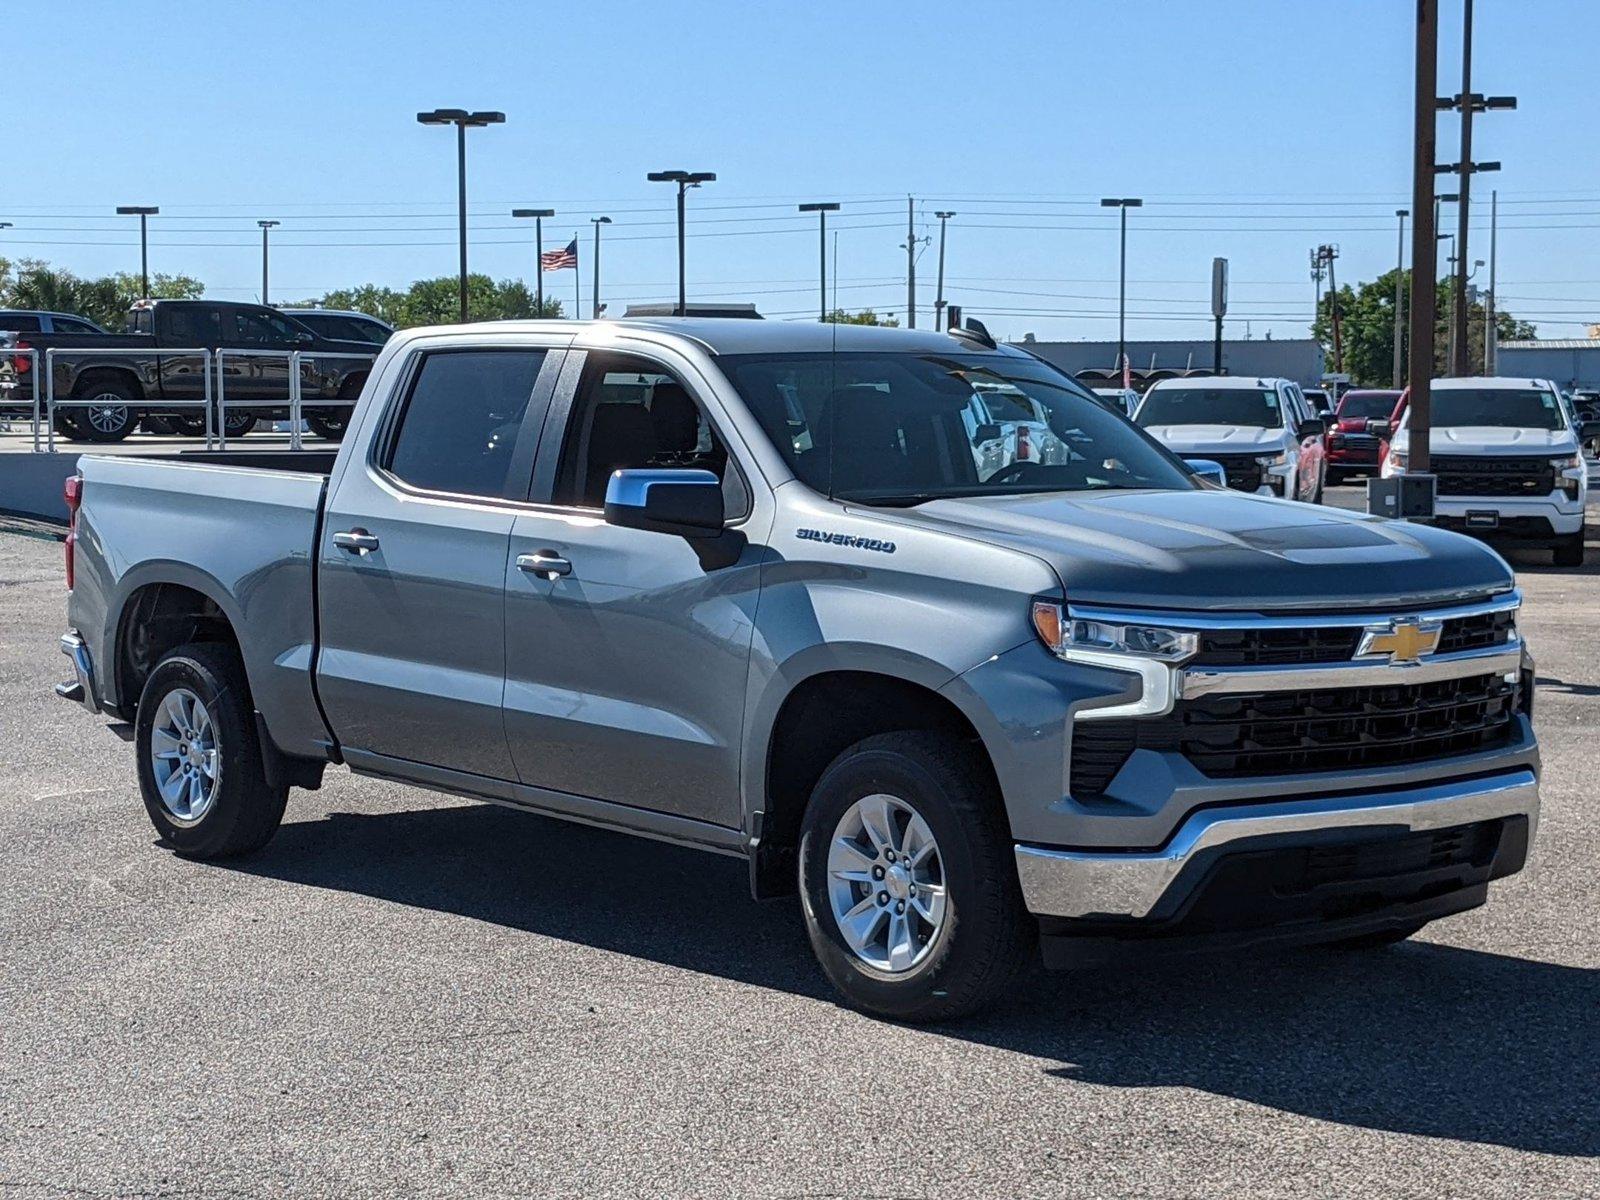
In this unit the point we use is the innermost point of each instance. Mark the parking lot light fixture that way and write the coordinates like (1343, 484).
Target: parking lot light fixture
(822, 208)
(143, 212)
(938, 295)
(594, 297)
(265, 226)
(537, 215)
(685, 180)
(1124, 203)
(462, 120)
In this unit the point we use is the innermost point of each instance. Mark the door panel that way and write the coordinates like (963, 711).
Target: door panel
(625, 680)
(626, 677)
(412, 663)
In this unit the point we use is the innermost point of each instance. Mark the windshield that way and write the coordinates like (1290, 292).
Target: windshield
(900, 428)
(1510, 408)
(1367, 406)
(1210, 406)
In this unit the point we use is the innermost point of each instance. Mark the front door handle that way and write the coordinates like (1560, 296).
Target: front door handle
(547, 563)
(356, 541)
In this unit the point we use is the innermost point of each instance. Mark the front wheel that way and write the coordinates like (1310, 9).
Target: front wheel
(1569, 550)
(107, 417)
(908, 880)
(199, 758)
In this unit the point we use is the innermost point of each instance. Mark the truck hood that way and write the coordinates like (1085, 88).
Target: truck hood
(1493, 439)
(1199, 440)
(1223, 550)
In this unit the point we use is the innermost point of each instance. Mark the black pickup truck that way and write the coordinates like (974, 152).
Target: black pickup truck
(140, 378)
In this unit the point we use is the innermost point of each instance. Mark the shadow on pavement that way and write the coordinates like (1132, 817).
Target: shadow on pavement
(1418, 1038)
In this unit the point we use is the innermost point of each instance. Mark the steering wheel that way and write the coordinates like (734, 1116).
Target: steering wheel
(1017, 472)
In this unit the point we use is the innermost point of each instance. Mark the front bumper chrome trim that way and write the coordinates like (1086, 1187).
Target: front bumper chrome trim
(1076, 883)
(1503, 659)
(81, 687)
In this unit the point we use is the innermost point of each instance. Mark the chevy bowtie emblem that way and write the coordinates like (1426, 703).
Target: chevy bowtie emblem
(1404, 641)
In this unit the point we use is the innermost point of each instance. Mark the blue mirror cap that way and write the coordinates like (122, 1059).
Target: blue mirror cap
(630, 488)
(1207, 468)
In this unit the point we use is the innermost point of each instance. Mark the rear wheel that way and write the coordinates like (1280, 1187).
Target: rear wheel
(328, 424)
(190, 425)
(107, 415)
(199, 759)
(908, 881)
(1569, 550)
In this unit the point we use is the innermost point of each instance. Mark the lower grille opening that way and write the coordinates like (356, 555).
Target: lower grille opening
(1286, 733)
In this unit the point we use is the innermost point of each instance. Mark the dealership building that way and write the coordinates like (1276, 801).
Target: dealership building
(1567, 362)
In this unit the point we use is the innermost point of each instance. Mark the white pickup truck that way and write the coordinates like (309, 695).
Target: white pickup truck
(1507, 459)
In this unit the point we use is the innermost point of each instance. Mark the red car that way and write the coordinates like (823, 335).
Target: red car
(1351, 449)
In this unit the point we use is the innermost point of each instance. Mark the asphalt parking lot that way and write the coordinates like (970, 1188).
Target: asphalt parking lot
(409, 995)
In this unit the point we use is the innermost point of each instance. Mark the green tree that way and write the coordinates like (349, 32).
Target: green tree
(1366, 320)
(436, 301)
(105, 300)
(865, 317)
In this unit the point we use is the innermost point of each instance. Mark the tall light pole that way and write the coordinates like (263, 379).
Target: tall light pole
(938, 295)
(1424, 244)
(822, 209)
(1399, 295)
(594, 292)
(265, 225)
(1124, 204)
(1467, 103)
(143, 212)
(538, 215)
(462, 120)
(685, 180)
(1489, 330)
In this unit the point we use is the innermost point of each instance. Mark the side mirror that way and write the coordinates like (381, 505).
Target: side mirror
(1207, 469)
(1311, 428)
(986, 433)
(1589, 430)
(1382, 430)
(304, 339)
(1330, 420)
(683, 501)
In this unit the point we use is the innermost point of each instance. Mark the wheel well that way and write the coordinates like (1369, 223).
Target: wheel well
(157, 619)
(352, 385)
(96, 376)
(823, 716)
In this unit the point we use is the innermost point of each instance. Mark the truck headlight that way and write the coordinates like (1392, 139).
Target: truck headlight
(1570, 473)
(1063, 633)
(1397, 460)
(1281, 458)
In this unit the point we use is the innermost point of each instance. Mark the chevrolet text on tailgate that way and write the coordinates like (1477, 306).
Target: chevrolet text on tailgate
(769, 590)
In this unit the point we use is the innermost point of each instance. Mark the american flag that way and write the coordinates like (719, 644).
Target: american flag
(560, 260)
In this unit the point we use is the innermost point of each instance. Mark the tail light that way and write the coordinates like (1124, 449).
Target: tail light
(1024, 444)
(72, 493)
(22, 363)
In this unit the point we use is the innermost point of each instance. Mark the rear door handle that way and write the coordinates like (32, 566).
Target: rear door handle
(357, 541)
(546, 563)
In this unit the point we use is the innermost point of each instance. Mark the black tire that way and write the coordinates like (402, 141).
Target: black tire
(158, 426)
(113, 416)
(1376, 941)
(986, 937)
(192, 425)
(328, 424)
(67, 427)
(1568, 551)
(246, 810)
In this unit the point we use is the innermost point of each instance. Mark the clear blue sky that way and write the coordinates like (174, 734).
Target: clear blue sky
(1253, 128)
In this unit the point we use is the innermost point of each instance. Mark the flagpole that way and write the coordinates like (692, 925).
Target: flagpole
(577, 280)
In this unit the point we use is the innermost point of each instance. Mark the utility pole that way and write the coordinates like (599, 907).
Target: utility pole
(1466, 102)
(1424, 245)
(938, 302)
(1399, 299)
(1327, 253)
(265, 225)
(1316, 281)
(1490, 333)
(911, 264)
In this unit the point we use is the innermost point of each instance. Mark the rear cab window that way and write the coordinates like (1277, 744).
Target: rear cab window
(466, 427)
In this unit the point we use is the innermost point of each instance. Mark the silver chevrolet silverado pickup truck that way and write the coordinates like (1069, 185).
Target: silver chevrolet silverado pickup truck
(763, 589)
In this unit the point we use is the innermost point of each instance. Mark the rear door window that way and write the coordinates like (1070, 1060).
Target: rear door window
(460, 430)
(19, 323)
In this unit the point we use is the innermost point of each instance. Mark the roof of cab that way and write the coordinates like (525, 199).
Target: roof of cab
(735, 335)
